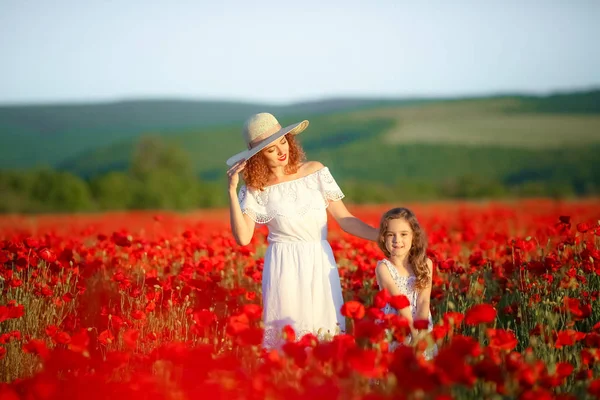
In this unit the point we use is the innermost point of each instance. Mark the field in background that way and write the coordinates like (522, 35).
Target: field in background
(484, 125)
(151, 222)
(169, 157)
(488, 124)
(88, 138)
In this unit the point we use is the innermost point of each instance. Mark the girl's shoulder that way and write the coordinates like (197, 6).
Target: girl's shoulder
(381, 267)
(385, 267)
(429, 264)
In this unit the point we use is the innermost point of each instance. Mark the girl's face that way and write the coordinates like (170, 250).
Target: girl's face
(277, 154)
(398, 237)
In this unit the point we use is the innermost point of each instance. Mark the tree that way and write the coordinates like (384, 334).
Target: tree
(60, 191)
(114, 191)
(153, 154)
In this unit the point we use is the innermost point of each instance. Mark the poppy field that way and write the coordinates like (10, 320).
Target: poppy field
(158, 305)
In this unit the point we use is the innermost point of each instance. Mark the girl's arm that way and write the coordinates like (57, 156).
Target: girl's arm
(424, 296)
(385, 281)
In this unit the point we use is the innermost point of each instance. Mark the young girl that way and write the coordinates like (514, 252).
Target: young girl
(406, 270)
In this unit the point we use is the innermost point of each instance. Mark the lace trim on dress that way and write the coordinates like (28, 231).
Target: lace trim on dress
(292, 198)
(273, 337)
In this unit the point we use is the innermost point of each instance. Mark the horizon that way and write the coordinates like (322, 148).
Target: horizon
(466, 96)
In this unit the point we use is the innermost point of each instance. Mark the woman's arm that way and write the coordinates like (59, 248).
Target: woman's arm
(351, 224)
(348, 222)
(242, 226)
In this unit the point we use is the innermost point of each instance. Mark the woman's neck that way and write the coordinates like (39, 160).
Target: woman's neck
(278, 172)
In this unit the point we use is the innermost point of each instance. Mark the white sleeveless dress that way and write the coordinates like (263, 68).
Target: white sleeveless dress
(406, 284)
(300, 283)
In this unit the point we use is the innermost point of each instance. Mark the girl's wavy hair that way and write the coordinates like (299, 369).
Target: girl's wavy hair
(256, 173)
(417, 256)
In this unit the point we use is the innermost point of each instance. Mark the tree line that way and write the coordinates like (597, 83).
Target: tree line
(161, 175)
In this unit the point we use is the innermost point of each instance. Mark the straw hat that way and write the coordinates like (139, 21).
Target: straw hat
(260, 130)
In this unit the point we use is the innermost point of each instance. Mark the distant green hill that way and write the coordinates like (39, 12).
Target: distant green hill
(58, 134)
(51, 134)
(380, 150)
(502, 139)
(510, 138)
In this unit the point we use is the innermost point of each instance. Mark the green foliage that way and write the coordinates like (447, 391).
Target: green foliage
(55, 134)
(586, 102)
(44, 190)
(113, 191)
(160, 177)
(379, 152)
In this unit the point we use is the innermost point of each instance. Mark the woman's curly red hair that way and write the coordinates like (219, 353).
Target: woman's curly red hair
(256, 173)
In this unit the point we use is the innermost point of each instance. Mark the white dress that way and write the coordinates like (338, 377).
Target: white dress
(300, 283)
(406, 285)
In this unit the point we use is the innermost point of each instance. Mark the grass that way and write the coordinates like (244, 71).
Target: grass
(521, 131)
(487, 123)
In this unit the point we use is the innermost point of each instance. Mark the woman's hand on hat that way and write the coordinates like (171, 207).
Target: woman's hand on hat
(234, 174)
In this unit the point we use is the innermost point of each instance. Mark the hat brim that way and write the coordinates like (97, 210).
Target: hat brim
(294, 129)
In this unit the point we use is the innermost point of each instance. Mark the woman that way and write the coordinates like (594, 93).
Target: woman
(300, 284)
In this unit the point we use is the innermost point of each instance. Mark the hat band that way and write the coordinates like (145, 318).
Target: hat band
(259, 139)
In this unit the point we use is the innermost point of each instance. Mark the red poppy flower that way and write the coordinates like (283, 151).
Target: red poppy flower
(289, 333)
(62, 338)
(381, 298)
(399, 302)
(421, 324)
(138, 315)
(253, 311)
(38, 347)
(237, 324)
(594, 388)
(130, 338)
(250, 337)
(583, 227)
(568, 338)
(480, 314)
(204, 318)
(576, 309)
(365, 362)
(47, 255)
(106, 337)
(353, 309)
(121, 239)
(502, 339)
(367, 328)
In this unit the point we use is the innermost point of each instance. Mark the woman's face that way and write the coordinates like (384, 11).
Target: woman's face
(398, 237)
(277, 154)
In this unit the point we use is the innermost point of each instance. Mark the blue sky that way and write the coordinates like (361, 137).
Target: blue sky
(283, 51)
